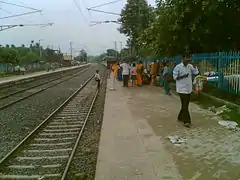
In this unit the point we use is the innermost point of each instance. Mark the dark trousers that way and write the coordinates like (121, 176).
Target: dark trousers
(98, 84)
(125, 80)
(184, 114)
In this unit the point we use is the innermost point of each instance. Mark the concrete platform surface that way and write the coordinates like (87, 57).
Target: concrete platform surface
(35, 74)
(134, 144)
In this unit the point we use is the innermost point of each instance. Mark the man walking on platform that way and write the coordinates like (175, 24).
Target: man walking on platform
(125, 73)
(183, 73)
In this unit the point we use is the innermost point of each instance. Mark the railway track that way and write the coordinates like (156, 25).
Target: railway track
(47, 152)
(32, 82)
(17, 96)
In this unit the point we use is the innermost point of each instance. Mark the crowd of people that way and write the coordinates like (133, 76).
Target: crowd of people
(167, 72)
(139, 75)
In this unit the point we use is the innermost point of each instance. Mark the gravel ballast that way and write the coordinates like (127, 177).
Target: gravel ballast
(83, 166)
(21, 118)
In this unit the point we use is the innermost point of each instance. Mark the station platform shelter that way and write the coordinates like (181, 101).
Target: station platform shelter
(135, 145)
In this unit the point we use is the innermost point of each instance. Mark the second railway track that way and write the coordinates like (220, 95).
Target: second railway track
(20, 95)
(46, 153)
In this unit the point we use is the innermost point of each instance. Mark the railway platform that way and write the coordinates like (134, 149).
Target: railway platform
(134, 142)
(35, 74)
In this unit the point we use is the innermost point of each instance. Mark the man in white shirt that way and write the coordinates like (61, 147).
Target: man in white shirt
(125, 73)
(183, 74)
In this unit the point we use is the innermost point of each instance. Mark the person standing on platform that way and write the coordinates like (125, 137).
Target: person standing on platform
(140, 69)
(167, 77)
(154, 72)
(133, 74)
(119, 72)
(115, 68)
(125, 72)
(183, 73)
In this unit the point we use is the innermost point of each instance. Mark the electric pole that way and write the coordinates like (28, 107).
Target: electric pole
(120, 51)
(71, 50)
(115, 47)
(40, 48)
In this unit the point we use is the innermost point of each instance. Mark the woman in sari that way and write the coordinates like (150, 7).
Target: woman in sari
(167, 77)
(140, 69)
(119, 73)
(161, 80)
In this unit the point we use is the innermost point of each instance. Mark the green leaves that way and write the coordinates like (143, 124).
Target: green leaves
(136, 16)
(190, 26)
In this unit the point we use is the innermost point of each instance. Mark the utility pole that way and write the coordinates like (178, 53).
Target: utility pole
(121, 46)
(71, 50)
(115, 47)
(40, 48)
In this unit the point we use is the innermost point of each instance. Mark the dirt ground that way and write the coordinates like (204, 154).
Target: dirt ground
(211, 152)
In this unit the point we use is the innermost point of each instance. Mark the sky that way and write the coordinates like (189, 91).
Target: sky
(70, 25)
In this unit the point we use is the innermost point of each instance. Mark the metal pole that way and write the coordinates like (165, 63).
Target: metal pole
(40, 49)
(71, 51)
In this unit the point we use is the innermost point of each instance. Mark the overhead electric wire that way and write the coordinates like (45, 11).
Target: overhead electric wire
(105, 4)
(105, 12)
(8, 26)
(27, 7)
(22, 14)
(80, 10)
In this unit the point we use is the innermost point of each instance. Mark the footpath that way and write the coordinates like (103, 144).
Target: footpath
(134, 140)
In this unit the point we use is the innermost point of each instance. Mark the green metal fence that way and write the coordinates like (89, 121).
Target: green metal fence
(222, 68)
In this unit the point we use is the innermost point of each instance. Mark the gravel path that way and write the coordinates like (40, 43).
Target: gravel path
(18, 120)
(83, 166)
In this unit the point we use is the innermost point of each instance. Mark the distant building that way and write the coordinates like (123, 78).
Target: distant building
(67, 58)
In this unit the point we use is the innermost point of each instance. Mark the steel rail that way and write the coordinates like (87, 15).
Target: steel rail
(41, 90)
(79, 137)
(6, 157)
(28, 88)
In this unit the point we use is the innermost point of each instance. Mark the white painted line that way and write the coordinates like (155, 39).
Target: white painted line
(52, 144)
(47, 150)
(41, 157)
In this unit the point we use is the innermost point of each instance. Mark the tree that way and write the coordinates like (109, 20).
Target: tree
(136, 16)
(29, 57)
(82, 56)
(112, 52)
(9, 55)
(192, 26)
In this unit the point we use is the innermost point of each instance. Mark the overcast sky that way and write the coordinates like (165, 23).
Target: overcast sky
(69, 24)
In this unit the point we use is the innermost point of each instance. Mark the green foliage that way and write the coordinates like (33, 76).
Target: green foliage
(23, 55)
(192, 26)
(30, 56)
(82, 57)
(136, 16)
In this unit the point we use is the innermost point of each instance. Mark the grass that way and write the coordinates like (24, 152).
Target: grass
(211, 89)
(231, 114)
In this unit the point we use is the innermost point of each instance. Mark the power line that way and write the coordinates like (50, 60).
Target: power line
(27, 7)
(113, 13)
(103, 22)
(22, 14)
(105, 4)
(9, 26)
(80, 10)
